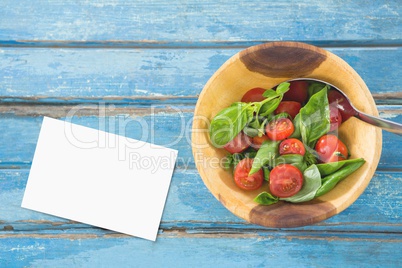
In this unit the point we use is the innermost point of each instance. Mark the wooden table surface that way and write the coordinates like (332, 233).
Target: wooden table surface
(106, 60)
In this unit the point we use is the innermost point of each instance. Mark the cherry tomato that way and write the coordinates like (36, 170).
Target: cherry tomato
(242, 178)
(298, 91)
(240, 143)
(253, 95)
(344, 107)
(290, 107)
(291, 146)
(279, 129)
(257, 141)
(335, 117)
(285, 180)
(330, 149)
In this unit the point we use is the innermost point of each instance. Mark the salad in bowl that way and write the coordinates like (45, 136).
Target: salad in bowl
(284, 142)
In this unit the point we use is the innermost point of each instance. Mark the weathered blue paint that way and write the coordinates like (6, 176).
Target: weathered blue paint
(65, 75)
(171, 129)
(176, 250)
(194, 21)
(189, 206)
(133, 55)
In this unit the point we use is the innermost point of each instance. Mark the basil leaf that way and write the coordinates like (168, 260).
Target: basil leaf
(288, 159)
(296, 123)
(329, 168)
(279, 116)
(250, 153)
(274, 98)
(270, 94)
(269, 107)
(310, 156)
(282, 88)
(252, 132)
(255, 123)
(255, 127)
(312, 182)
(267, 152)
(228, 123)
(302, 166)
(266, 198)
(314, 87)
(267, 172)
(314, 118)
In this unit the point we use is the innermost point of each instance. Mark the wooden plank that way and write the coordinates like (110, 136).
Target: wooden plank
(190, 206)
(224, 250)
(166, 127)
(135, 75)
(194, 21)
(171, 130)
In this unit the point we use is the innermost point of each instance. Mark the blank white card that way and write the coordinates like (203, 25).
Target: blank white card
(99, 178)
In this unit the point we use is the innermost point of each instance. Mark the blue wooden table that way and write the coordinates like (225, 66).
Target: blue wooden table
(149, 60)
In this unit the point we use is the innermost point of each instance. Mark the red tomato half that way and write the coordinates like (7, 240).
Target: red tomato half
(257, 141)
(253, 95)
(285, 180)
(298, 91)
(291, 146)
(280, 129)
(330, 149)
(344, 107)
(245, 181)
(335, 117)
(290, 107)
(240, 143)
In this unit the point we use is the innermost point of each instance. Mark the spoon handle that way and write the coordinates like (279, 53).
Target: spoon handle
(382, 123)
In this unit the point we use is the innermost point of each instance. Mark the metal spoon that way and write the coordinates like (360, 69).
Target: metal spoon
(347, 109)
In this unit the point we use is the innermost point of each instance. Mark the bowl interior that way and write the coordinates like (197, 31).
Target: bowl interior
(265, 66)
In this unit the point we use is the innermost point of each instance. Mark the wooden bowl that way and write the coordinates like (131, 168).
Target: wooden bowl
(267, 65)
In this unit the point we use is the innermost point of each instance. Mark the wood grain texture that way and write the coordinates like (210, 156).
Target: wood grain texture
(194, 21)
(74, 75)
(283, 59)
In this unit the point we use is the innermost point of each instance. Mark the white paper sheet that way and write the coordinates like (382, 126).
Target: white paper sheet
(98, 178)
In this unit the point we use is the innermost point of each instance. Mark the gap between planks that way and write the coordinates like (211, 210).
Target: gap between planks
(210, 44)
(217, 234)
(136, 106)
(101, 110)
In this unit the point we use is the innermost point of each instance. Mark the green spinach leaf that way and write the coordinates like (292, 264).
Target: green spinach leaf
(267, 152)
(274, 98)
(288, 159)
(315, 87)
(330, 181)
(282, 88)
(312, 182)
(228, 123)
(269, 107)
(266, 198)
(314, 118)
(252, 132)
(296, 123)
(270, 94)
(329, 168)
(267, 172)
